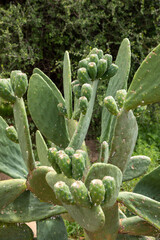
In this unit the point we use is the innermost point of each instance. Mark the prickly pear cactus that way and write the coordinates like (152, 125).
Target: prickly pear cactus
(65, 180)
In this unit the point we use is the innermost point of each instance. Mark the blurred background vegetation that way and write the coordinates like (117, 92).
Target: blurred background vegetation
(36, 33)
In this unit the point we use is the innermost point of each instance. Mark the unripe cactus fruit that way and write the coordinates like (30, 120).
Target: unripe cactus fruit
(80, 194)
(19, 82)
(69, 151)
(86, 91)
(53, 159)
(97, 191)
(108, 58)
(94, 58)
(100, 53)
(101, 67)
(78, 165)
(6, 91)
(63, 193)
(64, 163)
(109, 184)
(83, 76)
(83, 63)
(92, 70)
(120, 97)
(62, 109)
(111, 105)
(94, 51)
(74, 82)
(77, 90)
(12, 134)
(83, 104)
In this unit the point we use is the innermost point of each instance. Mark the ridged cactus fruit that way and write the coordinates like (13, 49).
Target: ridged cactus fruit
(97, 191)
(19, 82)
(80, 194)
(83, 76)
(120, 97)
(111, 105)
(64, 162)
(108, 58)
(69, 151)
(83, 63)
(52, 158)
(92, 70)
(83, 104)
(110, 187)
(86, 91)
(104, 152)
(63, 193)
(6, 91)
(112, 70)
(78, 165)
(101, 67)
(12, 134)
(94, 58)
(77, 90)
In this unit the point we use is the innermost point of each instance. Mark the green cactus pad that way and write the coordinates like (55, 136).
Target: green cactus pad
(83, 76)
(12, 134)
(92, 70)
(64, 162)
(101, 67)
(11, 162)
(42, 149)
(142, 206)
(57, 93)
(83, 104)
(110, 188)
(120, 97)
(80, 194)
(97, 191)
(99, 171)
(62, 109)
(137, 166)
(145, 86)
(86, 91)
(19, 82)
(111, 105)
(6, 91)
(78, 165)
(10, 190)
(15, 231)
(51, 229)
(63, 193)
(91, 219)
(124, 139)
(119, 81)
(149, 185)
(77, 90)
(52, 158)
(27, 208)
(94, 58)
(104, 152)
(47, 118)
(37, 184)
(67, 84)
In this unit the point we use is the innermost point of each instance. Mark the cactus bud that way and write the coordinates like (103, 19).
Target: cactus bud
(64, 163)
(12, 134)
(120, 97)
(111, 105)
(94, 58)
(62, 109)
(94, 51)
(77, 90)
(53, 160)
(112, 70)
(108, 58)
(63, 193)
(83, 76)
(97, 191)
(92, 70)
(104, 153)
(101, 67)
(100, 53)
(109, 184)
(86, 91)
(83, 104)
(80, 194)
(6, 91)
(83, 63)
(78, 165)
(19, 82)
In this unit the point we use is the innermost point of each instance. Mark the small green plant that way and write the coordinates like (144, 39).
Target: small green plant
(64, 182)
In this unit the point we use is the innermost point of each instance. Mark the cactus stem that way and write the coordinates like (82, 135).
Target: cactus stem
(22, 127)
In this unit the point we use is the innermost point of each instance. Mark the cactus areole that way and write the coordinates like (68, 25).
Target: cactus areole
(64, 180)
